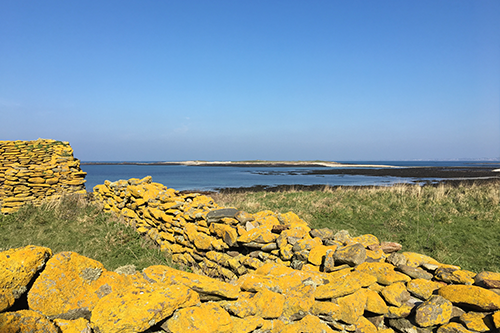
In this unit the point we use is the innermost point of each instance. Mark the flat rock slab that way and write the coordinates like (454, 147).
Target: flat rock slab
(218, 214)
(137, 308)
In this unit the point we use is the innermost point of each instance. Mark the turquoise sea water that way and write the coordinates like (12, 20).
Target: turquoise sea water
(208, 178)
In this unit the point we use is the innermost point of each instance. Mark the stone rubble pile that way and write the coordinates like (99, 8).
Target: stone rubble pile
(67, 292)
(263, 272)
(34, 170)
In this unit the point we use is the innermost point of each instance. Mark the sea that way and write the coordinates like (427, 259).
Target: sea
(215, 178)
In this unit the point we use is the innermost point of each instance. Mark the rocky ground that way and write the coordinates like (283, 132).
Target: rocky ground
(432, 176)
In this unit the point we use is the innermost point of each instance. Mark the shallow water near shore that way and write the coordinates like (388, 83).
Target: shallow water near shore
(212, 178)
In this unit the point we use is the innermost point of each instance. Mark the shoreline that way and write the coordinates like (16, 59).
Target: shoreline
(325, 164)
(323, 187)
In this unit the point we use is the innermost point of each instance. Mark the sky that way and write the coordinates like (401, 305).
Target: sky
(244, 80)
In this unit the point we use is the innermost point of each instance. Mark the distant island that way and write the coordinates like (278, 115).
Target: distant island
(252, 163)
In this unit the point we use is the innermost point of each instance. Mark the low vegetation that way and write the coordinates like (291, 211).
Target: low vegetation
(75, 223)
(457, 225)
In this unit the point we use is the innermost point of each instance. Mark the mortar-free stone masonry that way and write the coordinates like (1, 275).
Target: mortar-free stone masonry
(263, 272)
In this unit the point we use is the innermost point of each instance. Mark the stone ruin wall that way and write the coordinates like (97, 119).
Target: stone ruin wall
(33, 170)
(360, 283)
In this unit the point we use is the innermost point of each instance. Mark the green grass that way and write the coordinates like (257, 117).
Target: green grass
(74, 223)
(454, 225)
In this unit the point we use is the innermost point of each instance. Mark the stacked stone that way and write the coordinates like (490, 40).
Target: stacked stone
(33, 170)
(290, 275)
(67, 292)
(226, 243)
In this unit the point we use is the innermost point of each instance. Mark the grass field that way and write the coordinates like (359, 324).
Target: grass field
(455, 225)
(74, 223)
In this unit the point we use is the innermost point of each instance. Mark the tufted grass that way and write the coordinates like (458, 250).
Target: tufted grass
(457, 225)
(75, 223)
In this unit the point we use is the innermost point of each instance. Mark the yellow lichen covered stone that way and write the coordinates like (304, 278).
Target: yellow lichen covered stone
(317, 253)
(375, 303)
(471, 296)
(273, 326)
(202, 241)
(7, 299)
(325, 308)
(297, 231)
(477, 321)
(226, 232)
(496, 319)
(137, 308)
(80, 325)
(363, 325)
(19, 266)
(375, 255)
(351, 307)
(423, 288)
(386, 330)
(366, 240)
(256, 282)
(298, 301)
(206, 318)
(344, 284)
(384, 272)
(435, 311)
(454, 276)
(416, 259)
(25, 321)
(488, 280)
(202, 284)
(309, 324)
(395, 294)
(293, 220)
(452, 328)
(261, 234)
(244, 306)
(307, 244)
(269, 304)
(246, 325)
(73, 282)
(402, 311)
(266, 218)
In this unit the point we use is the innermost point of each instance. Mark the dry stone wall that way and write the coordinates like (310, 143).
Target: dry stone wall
(33, 170)
(290, 278)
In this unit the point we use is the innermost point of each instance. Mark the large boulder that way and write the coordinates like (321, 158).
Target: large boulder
(71, 285)
(26, 321)
(471, 296)
(137, 308)
(18, 267)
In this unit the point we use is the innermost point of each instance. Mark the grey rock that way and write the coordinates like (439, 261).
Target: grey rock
(329, 262)
(323, 233)
(396, 259)
(218, 214)
(351, 255)
(269, 247)
(254, 245)
(414, 272)
(436, 310)
(405, 326)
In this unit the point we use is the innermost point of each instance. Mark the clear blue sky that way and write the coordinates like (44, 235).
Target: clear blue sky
(236, 80)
